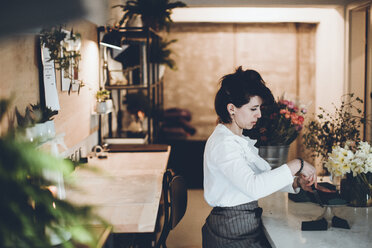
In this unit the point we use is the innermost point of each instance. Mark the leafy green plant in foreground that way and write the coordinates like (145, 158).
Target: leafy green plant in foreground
(27, 207)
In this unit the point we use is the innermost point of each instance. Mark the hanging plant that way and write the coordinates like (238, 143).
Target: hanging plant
(155, 14)
(160, 53)
(64, 49)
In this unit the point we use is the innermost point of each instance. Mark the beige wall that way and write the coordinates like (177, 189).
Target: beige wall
(329, 81)
(283, 53)
(329, 40)
(19, 76)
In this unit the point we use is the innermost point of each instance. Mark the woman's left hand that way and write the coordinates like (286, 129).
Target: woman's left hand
(304, 183)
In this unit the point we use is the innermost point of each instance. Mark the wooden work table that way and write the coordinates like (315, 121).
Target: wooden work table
(125, 189)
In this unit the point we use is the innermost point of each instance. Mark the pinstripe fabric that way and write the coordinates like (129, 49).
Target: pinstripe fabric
(234, 227)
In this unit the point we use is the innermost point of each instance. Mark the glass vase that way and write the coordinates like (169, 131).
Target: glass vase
(357, 190)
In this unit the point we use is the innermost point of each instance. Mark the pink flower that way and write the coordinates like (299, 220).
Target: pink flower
(301, 119)
(283, 111)
(291, 105)
(304, 111)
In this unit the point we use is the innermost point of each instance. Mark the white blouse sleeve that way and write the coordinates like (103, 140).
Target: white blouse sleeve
(228, 156)
(289, 188)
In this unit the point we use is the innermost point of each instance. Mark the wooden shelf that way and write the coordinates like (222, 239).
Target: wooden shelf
(135, 33)
(130, 87)
(125, 87)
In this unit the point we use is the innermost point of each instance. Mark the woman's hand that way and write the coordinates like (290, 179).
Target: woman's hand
(309, 173)
(303, 183)
(324, 189)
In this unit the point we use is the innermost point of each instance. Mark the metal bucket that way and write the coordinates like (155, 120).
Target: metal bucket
(274, 155)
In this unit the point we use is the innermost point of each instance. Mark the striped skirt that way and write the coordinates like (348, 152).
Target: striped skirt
(234, 227)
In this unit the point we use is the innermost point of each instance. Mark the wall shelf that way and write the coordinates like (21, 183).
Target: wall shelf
(140, 76)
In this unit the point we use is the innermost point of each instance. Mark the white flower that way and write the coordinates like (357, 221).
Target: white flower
(342, 160)
(364, 147)
(368, 162)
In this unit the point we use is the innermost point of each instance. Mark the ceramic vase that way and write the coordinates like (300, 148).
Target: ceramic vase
(50, 129)
(104, 107)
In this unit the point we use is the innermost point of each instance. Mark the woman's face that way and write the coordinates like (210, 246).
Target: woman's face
(247, 115)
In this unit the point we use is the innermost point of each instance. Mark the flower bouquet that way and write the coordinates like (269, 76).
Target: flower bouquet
(354, 162)
(280, 123)
(328, 129)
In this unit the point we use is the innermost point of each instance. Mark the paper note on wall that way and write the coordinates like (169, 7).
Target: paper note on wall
(50, 84)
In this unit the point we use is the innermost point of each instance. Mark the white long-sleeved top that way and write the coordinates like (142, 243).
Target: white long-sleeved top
(235, 174)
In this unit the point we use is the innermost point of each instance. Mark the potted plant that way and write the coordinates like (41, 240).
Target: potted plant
(64, 49)
(335, 137)
(327, 130)
(104, 103)
(279, 125)
(155, 14)
(27, 123)
(28, 206)
(44, 117)
(160, 54)
(353, 163)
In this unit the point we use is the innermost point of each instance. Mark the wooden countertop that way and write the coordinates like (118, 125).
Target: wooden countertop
(282, 220)
(125, 189)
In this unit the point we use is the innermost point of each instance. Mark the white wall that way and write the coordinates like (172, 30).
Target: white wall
(256, 3)
(329, 39)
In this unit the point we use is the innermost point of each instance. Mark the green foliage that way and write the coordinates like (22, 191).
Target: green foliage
(52, 38)
(4, 105)
(64, 57)
(155, 14)
(35, 113)
(102, 95)
(27, 207)
(331, 129)
(160, 53)
(26, 120)
(42, 113)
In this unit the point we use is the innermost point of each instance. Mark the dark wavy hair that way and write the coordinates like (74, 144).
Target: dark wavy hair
(238, 88)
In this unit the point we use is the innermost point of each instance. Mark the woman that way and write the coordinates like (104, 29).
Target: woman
(235, 176)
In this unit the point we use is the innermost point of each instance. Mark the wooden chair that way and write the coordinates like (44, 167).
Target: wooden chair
(175, 204)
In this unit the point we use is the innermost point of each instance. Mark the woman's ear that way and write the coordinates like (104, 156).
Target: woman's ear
(230, 108)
